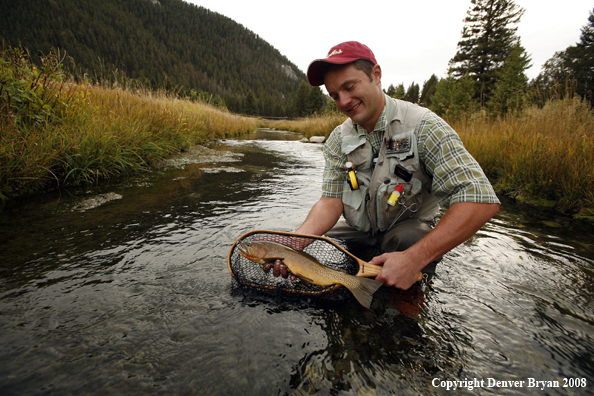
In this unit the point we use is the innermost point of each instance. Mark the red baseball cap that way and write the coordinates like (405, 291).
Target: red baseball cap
(340, 54)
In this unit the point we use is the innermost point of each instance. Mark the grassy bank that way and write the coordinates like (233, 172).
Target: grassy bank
(106, 133)
(544, 156)
(55, 133)
(313, 126)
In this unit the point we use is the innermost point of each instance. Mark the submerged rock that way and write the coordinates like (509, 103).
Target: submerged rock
(95, 201)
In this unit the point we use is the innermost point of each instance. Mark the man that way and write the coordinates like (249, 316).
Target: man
(407, 161)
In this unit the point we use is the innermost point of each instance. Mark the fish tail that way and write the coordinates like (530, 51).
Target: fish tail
(363, 289)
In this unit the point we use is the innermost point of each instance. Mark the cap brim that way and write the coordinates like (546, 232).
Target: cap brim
(317, 68)
(316, 71)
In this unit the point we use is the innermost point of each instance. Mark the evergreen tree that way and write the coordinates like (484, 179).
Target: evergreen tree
(300, 100)
(453, 97)
(412, 93)
(580, 60)
(315, 101)
(250, 105)
(331, 108)
(488, 38)
(391, 92)
(400, 93)
(512, 83)
(428, 91)
(267, 104)
(569, 71)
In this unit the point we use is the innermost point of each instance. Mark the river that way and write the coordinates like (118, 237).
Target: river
(123, 289)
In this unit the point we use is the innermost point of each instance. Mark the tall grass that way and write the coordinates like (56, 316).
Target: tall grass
(56, 132)
(88, 133)
(539, 154)
(312, 126)
(543, 154)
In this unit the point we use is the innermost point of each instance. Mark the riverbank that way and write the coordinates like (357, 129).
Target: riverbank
(105, 132)
(57, 133)
(542, 156)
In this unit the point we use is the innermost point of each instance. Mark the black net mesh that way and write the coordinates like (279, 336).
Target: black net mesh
(248, 273)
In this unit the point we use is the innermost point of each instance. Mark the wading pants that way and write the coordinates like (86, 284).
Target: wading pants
(405, 234)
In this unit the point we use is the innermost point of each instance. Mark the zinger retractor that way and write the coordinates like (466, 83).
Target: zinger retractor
(352, 176)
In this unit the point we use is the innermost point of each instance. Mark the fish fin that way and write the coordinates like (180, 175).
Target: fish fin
(304, 279)
(363, 290)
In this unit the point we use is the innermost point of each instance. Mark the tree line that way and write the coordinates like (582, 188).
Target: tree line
(488, 70)
(165, 44)
(202, 55)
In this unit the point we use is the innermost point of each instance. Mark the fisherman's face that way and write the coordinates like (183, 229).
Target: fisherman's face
(357, 97)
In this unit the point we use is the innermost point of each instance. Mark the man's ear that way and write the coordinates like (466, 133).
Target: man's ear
(376, 72)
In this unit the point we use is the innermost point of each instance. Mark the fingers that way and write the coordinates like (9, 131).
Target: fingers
(390, 278)
(279, 269)
(396, 271)
(276, 269)
(379, 259)
(283, 271)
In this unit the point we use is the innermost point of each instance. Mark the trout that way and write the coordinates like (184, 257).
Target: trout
(308, 269)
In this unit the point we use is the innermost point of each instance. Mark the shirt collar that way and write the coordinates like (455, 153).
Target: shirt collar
(380, 125)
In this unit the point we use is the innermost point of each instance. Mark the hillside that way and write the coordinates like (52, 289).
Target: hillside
(164, 44)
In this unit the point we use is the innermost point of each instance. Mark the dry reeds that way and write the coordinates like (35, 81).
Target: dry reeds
(312, 126)
(543, 155)
(539, 154)
(106, 133)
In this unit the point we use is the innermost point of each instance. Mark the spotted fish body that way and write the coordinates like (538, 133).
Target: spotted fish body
(308, 269)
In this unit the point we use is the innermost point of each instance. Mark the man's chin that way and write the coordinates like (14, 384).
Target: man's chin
(356, 118)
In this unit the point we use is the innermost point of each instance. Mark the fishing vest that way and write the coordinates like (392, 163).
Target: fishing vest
(367, 208)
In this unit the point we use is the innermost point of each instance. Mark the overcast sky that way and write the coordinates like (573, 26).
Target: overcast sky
(410, 39)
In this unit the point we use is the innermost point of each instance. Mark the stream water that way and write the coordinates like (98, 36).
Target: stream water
(123, 289)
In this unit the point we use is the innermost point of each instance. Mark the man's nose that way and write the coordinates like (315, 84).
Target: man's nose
(343, 100)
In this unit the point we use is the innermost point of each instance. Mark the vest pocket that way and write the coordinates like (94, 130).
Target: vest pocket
(407, 155)
(408, 204)
(354, 209)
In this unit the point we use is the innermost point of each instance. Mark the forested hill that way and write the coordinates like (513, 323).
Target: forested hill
(163, 43)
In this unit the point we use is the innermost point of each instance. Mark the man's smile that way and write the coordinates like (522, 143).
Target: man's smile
(355, 107)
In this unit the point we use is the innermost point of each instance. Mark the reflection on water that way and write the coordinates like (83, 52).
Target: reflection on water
(133, 296)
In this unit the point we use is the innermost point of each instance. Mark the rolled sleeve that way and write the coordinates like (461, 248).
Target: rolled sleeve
(334, 175)
(457, 176)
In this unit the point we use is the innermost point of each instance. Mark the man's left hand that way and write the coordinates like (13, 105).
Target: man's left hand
(397, 270)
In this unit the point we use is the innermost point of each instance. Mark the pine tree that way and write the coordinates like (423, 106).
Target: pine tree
(250, 106)
(512, 83)
(412, 93)
(488, 38)
(580, 59)
(453, 97)
(315, 101)
(569, 71)
(428, 90)
(391, 92)
(400, 91)
(300, 100)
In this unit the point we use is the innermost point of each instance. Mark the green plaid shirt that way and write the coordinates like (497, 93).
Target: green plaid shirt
(457, 177)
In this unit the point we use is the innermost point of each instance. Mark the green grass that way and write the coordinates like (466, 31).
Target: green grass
(56, 133)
